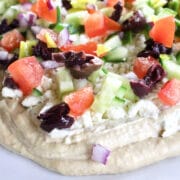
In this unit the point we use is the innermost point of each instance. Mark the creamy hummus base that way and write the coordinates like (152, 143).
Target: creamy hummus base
(133, 144)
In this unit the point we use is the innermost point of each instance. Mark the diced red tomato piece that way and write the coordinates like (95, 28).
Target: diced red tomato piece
(80, 100)
(89, 48)
(111, 3)
(27, 73)
(163, 31)
(94, 25)
(111, 25)
(142, 64)
(11, 40)
(97, 24)
(170, 92)
(41, 9)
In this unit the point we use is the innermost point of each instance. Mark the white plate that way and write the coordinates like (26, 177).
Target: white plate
(14, 167)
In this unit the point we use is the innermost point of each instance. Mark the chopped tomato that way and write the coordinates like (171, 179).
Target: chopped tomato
(89, 48)
(170, 92)
(163, 31)
(94, 25)
(27, 73)
(142, 64)
(80, 100)
(41, 9)
(111, 3)
(111, 25)
(97, 24)
(11, 40)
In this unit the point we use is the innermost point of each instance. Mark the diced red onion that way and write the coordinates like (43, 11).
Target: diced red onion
(26, 19)
(100, 154)
(50, 5)
(27, 6)
(63, 38)
(50, 64)
(4, 55)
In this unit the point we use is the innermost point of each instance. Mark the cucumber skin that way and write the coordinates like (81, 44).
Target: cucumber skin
(172, 69)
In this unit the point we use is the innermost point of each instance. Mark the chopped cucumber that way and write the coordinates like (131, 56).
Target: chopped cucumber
(163, 12)
(128, 92)
(157, 3)
(76, 18)
(109, 88)
(113, 42)
(37, 92)
(64, 80)
(107, 11)
(118, 54)
(118, 101)
(172, 68)
(99, 73)
(178, 57)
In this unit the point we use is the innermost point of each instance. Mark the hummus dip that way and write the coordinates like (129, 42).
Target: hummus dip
(83, 98)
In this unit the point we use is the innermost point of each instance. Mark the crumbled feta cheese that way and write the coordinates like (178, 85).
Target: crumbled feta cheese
(116, 113)
(171, 121)
(59, 133)
(144, 108)
(46, 83)
(46, 107)
(86, 119)
(11, 93)
(31, 101)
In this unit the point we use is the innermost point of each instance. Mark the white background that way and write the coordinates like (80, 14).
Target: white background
(14, 167)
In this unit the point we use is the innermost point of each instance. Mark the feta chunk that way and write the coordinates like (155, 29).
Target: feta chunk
(31, 101)
(144, 108)
(11, 93)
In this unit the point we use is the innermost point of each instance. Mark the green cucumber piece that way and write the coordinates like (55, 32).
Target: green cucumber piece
(118, 54)
(108, 91)
(178, 57)
(76, 18)
(64, 80)
(172, 68)
(99, 73)
(113, 42)
(37, 92)
(118, 102)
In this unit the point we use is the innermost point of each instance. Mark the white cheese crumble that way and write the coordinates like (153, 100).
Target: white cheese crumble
(30, 101)
(171, 122)
(116, 113)
(144, 108)
(11, 93)
(46, 83)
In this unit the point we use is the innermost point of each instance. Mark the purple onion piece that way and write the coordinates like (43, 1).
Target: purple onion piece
(50, 64)
(63, 38)
(26, 19)
(100, 154)
(3, 55)
(22, 20)
(50, 5)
